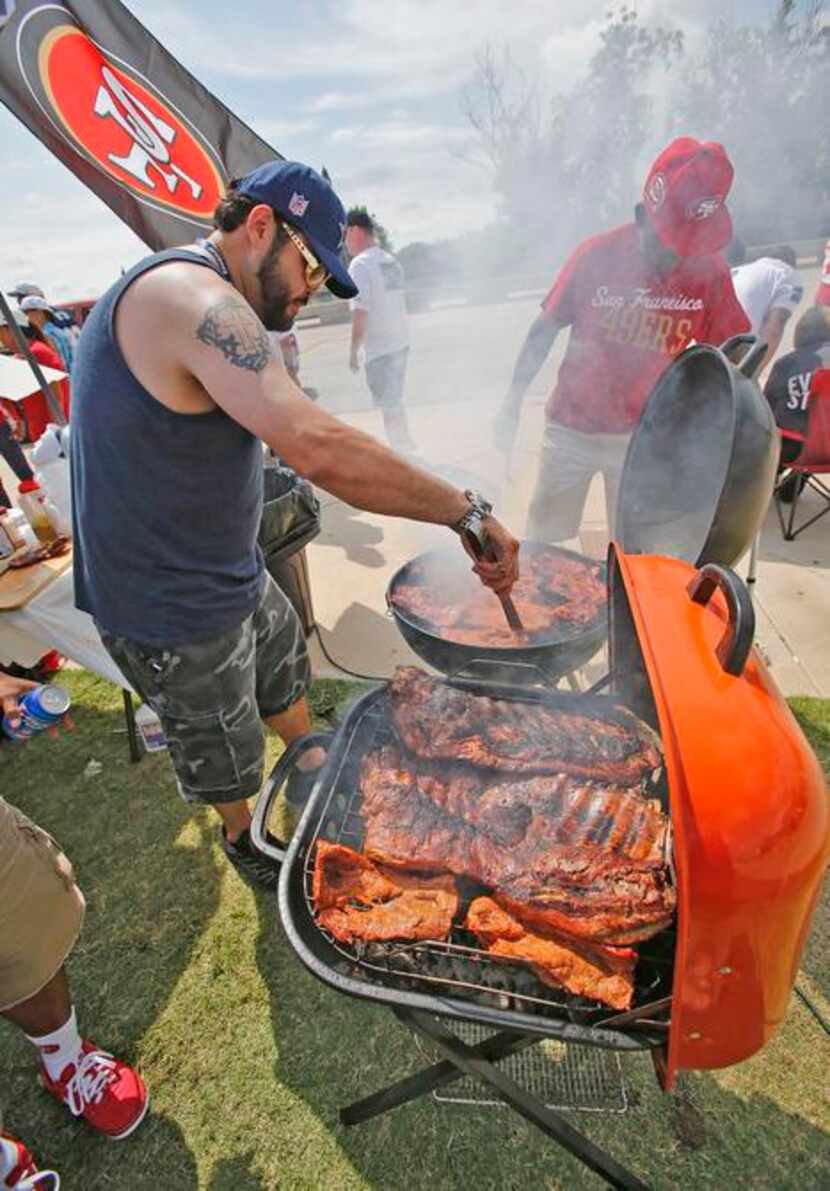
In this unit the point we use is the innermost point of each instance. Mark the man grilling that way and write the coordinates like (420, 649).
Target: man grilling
(633, 298)
(175, 387)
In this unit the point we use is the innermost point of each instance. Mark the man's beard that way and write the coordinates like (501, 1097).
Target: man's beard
(275, 293)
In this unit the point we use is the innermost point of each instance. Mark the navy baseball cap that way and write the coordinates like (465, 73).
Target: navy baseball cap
(305, 200)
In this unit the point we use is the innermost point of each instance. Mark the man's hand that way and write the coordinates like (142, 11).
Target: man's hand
(502, 570)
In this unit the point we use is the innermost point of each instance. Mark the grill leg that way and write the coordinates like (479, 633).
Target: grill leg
(471, 1062)
(422, 1082)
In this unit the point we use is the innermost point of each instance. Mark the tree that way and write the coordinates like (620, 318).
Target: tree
(764, 91)
(573, 163)
(570, 165)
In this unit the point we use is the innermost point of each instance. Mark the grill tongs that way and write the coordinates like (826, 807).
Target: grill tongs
(482, 549)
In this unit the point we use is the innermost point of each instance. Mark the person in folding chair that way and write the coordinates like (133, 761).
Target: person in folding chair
(798, 391)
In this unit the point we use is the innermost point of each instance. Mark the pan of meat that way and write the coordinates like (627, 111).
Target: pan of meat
(450, 620)
(511, 847)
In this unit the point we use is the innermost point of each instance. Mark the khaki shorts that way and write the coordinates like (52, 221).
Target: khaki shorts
(569, 461)
(41, 907)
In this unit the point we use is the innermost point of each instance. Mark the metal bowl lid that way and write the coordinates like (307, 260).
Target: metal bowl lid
(679, 458)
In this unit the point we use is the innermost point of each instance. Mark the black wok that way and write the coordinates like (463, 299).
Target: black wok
(563, 648)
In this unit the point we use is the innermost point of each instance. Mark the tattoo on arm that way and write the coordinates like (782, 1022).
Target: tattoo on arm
(232, 327)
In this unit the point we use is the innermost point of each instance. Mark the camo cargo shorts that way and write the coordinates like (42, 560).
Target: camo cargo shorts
(210, 695)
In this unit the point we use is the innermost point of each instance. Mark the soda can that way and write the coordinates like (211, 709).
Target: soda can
(38, 709)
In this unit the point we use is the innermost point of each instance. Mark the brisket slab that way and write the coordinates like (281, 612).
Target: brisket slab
(601, 973)
(585, 891)
(438, 722)
(355, 899)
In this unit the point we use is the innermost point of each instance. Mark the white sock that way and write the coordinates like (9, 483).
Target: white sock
(59, 1048)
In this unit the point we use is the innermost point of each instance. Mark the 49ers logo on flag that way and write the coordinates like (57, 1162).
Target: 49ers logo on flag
(116, 119)
(90, 82)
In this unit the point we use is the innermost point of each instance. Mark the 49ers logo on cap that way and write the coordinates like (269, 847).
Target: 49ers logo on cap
(656, 191)
(116, 118)
(703, 208)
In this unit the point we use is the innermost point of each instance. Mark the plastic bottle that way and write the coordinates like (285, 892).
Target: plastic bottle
(17, 528)
(50, 459)
(33, 504)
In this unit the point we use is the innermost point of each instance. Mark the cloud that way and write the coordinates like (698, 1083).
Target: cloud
(372, 89)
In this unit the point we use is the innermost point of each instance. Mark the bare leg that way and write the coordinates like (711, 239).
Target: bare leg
(396, 425)
(290, 724)
(235, 816)
(293, 723)
(46, 1011)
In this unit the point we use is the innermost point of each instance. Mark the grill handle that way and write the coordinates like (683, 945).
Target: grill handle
(756, 350)
(733, 648)
(272, 787)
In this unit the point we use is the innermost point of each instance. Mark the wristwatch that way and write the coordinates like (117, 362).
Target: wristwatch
(480, 507)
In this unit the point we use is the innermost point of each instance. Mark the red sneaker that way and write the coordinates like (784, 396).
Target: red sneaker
(18, 1171)
(109, 1095)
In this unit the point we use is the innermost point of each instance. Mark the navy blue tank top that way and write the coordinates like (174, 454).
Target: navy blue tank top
(166, 506)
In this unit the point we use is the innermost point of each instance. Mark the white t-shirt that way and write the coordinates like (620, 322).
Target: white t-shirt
(764, 285)
(379, 278)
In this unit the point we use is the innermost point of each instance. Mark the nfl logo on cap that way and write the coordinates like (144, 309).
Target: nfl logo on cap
(298, 205)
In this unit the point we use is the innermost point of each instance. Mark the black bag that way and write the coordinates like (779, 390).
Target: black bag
(290, 514)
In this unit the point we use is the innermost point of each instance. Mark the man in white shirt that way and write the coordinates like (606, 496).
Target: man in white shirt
(769, 289)
(379, 325)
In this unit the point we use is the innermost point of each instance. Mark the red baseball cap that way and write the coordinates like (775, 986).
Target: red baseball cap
(685, 197)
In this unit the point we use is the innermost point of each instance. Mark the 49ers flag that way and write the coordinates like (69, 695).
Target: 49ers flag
(91, 83)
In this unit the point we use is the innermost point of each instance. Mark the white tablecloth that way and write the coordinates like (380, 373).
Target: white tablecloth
(51, 621)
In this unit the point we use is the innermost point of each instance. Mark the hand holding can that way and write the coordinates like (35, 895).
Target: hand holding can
(39, 708)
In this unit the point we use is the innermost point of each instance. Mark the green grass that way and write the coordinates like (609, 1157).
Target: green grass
(184, 970)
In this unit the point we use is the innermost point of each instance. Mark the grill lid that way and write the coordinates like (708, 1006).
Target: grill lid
(701, 463)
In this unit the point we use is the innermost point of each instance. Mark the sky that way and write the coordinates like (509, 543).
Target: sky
(369, 88)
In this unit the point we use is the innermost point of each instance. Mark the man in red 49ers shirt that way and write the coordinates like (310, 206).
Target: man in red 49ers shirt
(633, 298)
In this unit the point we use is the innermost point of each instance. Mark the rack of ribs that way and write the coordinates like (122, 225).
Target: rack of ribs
(438, 722)
(585, 890)
(566, 810)
(603, 973)
(355, 899)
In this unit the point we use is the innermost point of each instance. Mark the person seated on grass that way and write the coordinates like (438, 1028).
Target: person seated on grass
(41, 911)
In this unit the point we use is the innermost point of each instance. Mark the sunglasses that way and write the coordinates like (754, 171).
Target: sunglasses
(316, 274)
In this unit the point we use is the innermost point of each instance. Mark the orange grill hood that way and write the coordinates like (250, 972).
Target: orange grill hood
(749, 807)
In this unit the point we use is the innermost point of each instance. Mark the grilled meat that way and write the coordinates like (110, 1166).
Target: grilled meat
(566, 810)
(584, 891)
(439, 722)
(552, 590)
(355, 899)
(603, 973)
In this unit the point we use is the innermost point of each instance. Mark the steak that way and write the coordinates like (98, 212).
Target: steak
(585, 891)
(355, 899)
(601, 973)
(438, 722)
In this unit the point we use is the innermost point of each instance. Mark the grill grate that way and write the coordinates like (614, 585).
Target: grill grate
(576, 1077)
(456, 966)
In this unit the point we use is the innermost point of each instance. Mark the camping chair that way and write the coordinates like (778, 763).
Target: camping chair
(812, 462)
